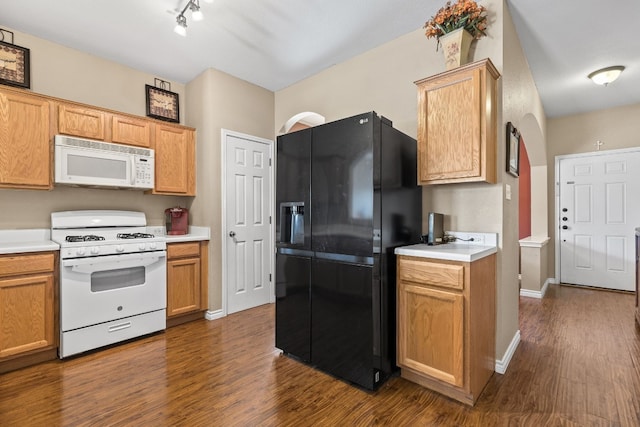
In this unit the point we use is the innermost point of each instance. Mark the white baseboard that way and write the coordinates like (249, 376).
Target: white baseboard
(213, 315)
(503, 364)
(537, 294)
(530, 294)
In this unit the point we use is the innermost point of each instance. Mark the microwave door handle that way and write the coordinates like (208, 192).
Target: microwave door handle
(133, 171)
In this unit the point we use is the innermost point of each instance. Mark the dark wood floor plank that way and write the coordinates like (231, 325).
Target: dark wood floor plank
(578, 364)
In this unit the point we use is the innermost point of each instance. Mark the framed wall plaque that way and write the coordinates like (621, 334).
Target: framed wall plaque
(162, 104)
(513, 150)
(14, 65)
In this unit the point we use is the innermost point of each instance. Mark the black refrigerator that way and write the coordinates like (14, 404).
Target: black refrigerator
(346, 196)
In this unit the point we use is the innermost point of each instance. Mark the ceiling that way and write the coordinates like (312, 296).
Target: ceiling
(275, 43)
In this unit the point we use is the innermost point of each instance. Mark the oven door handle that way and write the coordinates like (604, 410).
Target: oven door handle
(113, 262)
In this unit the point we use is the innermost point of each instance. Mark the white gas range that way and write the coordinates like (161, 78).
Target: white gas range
(112, 278)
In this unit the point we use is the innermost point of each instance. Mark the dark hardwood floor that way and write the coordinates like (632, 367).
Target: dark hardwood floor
(578, 364)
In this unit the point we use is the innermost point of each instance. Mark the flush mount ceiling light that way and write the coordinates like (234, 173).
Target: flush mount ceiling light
(606, 75)
(196, 15)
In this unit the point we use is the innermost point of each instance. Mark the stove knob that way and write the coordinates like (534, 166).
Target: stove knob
(119, 248)
(80, 251)
(95, 250)
(152, 245)
(142, 246)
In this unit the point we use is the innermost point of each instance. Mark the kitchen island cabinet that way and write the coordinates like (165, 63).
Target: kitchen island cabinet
(27, 309)
(457, 139)
(446, 324)
(187, 281)
(25, 134)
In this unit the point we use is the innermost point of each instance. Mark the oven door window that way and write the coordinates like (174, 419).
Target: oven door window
(117, 279)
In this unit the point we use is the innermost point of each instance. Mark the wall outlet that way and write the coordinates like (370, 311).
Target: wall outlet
(478, 239)
(465, 238)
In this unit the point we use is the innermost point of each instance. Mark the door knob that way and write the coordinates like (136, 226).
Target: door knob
(564, 227)
(232, 234)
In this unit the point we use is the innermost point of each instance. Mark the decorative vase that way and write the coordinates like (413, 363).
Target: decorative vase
(455, 47)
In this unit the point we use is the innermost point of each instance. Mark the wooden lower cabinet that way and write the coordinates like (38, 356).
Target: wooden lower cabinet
(187, 281)
(446, 324)
(28, 325)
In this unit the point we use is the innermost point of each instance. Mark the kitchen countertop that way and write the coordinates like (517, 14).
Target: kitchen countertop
(484, 245)
(195, 234)
(39, 239)
(26, 240)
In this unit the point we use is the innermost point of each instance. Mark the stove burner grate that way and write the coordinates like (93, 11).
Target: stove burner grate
(135, 236)
(85, 238)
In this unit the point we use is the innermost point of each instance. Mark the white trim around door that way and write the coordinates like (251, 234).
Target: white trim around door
(557, 194)
(225, 133)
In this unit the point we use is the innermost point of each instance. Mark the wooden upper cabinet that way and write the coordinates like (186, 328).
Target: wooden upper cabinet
(94, 123)
(81, 121)
(457, 137)
(175, 160)
(25, 141)
(131, 131)
(28, 123)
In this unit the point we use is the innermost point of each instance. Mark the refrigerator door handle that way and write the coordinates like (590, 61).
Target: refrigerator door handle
(298, 252)
(351, 259)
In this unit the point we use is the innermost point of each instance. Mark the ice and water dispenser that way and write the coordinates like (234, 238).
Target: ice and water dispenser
(292, 223)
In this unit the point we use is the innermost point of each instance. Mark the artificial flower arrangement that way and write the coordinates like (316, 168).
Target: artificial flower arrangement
(465, 14)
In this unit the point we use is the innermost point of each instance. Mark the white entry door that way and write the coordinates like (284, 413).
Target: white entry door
(599, 209)
(249, 243)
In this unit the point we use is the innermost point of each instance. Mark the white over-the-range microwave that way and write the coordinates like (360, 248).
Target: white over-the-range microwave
(102, 164)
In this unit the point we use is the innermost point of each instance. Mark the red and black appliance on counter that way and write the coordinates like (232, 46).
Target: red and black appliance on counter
(177, 220)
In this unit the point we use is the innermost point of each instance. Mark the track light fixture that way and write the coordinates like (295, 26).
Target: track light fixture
(196, 15)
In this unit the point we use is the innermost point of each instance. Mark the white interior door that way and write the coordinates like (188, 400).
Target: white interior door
(599, 209)
(247, 222)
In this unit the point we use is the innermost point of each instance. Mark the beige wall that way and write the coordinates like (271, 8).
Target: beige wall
(217, 101)
(616, 128)
(534, 267)
(69, 74)
(523, 108)
(382, 80)
(66, 73)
